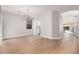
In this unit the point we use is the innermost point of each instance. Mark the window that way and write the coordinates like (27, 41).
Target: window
(29, 24)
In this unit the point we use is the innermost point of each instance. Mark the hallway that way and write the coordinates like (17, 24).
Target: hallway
(39, 45)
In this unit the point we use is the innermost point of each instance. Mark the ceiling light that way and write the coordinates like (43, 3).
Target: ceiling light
(28, 15)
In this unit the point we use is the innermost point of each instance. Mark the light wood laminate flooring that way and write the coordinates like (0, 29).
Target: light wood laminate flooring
(39, 45)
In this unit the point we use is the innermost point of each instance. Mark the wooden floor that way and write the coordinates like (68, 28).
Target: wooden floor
(39, 45)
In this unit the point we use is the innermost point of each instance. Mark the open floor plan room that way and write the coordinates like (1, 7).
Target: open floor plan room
(39, 29)
(40, 45)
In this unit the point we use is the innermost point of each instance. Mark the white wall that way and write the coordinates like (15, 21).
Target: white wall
(61, 25)
(68, 19)
(0, 27)
(14, 26)
(35, 26)
(50, 25)
(46, 25)
(56, 25)
(77, 26)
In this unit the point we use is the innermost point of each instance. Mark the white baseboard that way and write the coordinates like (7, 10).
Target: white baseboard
(15, 36)
(51, 37)
(32, 34)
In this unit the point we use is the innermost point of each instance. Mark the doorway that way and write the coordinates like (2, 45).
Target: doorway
(36, 27)
(69, 21)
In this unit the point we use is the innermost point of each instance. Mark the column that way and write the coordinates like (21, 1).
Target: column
(0, 27)
(56, 24)
(77, 25)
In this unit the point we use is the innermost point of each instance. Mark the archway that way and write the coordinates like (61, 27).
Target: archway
(68, 21)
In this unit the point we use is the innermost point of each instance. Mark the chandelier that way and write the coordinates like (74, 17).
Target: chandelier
(28, 15)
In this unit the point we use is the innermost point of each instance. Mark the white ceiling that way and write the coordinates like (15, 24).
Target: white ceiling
(37, 10)
(71, 13)
(69, 17)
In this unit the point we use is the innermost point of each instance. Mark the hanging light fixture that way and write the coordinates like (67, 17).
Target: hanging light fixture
(28, 15)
